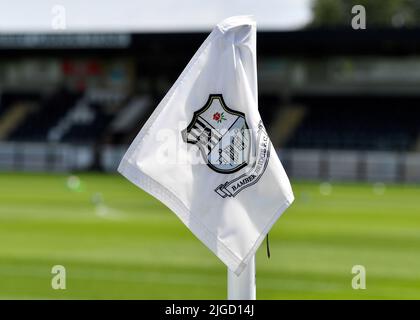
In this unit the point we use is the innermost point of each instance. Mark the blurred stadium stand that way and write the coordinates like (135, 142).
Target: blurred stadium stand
(359, 123)
(343, 104)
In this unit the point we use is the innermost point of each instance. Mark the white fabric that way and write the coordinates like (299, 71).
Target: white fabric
(231, 217)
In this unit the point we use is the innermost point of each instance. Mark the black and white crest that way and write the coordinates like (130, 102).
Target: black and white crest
(222, 135)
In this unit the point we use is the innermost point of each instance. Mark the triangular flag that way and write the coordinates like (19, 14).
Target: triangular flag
(205, 153)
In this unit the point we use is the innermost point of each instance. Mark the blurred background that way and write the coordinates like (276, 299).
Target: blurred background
(78, 81)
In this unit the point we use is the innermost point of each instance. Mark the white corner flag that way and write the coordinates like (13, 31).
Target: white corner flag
(205, 153)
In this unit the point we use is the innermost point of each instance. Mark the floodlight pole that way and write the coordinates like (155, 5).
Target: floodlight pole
(242, 287)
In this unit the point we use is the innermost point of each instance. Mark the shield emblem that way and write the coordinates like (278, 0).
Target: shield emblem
(221, 134)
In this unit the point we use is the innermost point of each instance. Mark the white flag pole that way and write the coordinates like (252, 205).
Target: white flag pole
(242, 287)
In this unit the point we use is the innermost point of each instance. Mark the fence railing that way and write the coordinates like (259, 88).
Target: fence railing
(352, 165)
(300, 164)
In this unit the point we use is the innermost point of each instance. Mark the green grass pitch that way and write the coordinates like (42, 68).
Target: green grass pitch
(116, 241)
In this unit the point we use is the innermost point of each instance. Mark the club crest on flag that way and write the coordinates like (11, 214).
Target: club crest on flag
(225, 142)
(221, 134)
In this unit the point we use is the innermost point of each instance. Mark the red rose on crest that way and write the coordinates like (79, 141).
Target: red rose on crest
(216, 116)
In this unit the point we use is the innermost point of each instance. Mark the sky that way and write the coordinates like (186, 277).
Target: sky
(146, 16)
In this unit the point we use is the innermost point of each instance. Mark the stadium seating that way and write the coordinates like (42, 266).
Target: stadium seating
(336, 123)
(359, 124)
(65, 116)
(14, 108)
(51, 109)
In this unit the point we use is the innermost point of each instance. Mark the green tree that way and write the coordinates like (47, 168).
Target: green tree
(380, 13)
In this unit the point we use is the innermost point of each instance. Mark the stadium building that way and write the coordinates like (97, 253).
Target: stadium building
(338, 104)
